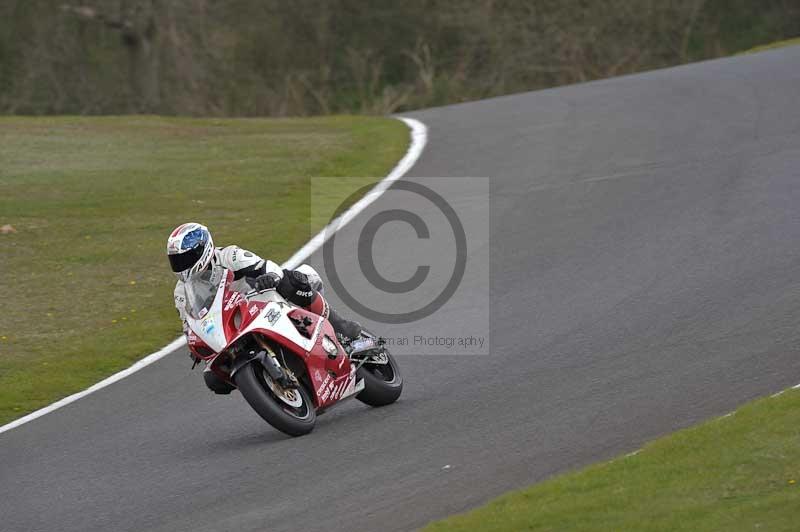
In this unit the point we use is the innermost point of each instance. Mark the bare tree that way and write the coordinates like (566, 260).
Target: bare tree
(301, 57)
(137, 22)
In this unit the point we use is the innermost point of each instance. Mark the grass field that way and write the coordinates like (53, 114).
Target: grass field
(740, 472)
(85, 279)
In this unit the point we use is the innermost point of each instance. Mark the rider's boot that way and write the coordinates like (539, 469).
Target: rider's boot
(347, 328)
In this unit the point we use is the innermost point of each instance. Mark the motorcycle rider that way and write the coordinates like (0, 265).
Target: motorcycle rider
(191, 251)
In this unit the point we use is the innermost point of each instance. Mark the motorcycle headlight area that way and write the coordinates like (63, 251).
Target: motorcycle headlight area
(329, 346)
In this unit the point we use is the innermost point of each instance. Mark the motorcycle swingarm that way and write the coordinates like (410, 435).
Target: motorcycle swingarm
(374, 355)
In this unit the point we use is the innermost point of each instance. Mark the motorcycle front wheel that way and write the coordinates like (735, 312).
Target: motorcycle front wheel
(290, 410)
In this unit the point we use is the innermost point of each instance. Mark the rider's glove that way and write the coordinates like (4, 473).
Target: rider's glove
(266, 281)
(294, 286)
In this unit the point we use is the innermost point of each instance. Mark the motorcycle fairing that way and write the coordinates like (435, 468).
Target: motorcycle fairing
(231, 316)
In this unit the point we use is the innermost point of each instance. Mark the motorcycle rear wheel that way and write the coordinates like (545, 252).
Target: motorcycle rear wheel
(383, 383)
(293, 415)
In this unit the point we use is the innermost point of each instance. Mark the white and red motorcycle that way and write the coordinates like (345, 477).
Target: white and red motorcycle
(286, 361)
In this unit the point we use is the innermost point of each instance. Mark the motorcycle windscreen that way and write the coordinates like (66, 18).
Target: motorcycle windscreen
(200, 293)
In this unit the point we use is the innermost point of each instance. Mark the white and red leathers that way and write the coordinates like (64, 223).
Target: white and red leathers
(243, 264)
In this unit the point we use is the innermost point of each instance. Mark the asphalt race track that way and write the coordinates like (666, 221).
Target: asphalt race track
(644, 267)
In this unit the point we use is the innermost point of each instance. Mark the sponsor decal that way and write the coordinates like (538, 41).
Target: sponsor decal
(203, 312)
(301, 293)
(273, 315)
(253, 310)
(337, 392)
(207, 325)
(330, 390)
(325, 388)
(233, 300)
(317, 375)
(345, 386)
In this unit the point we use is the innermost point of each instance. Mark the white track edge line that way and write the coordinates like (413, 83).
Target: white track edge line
(419, 138)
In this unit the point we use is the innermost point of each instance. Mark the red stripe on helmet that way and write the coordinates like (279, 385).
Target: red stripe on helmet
(177, 230)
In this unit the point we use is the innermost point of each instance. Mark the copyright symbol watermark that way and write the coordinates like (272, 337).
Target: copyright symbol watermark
(366, 260)
(418, 254)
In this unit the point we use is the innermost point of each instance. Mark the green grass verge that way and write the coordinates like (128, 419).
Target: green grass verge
(740, 472)
(85, 281)
(771, 46)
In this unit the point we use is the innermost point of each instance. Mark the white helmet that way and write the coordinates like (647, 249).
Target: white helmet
(189, 249)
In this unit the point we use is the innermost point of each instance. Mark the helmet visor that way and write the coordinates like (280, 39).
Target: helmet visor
(183, 261)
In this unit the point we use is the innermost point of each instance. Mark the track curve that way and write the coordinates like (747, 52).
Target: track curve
(645, 275)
